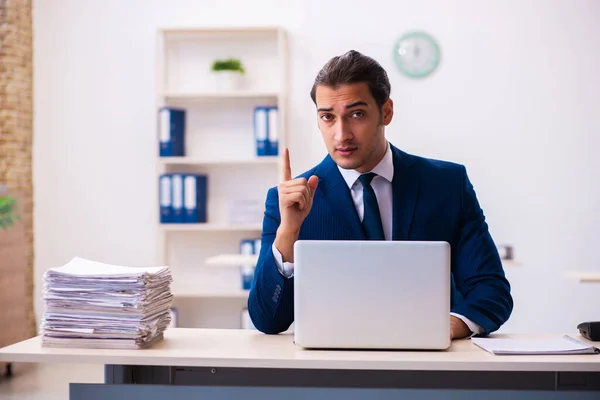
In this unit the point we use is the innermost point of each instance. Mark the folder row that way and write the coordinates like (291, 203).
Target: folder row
(172, 131)
(183, 198)
(266, 120)
(248, 247)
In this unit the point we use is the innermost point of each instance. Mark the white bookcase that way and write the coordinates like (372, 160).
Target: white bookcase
(220, 143)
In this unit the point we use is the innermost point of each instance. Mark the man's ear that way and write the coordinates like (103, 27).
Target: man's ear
(387, 111)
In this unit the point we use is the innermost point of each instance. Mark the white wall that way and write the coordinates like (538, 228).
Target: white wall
(516, 99)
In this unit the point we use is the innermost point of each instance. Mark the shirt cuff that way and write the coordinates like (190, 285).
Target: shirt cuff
(285, 268)
(476, 329)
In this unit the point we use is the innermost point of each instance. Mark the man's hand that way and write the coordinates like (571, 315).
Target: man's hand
(458, 329)
(295, 201)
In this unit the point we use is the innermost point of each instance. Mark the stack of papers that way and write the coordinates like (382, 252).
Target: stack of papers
(94, 305)
(554, 346)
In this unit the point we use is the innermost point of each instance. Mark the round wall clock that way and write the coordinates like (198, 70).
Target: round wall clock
(416, 54)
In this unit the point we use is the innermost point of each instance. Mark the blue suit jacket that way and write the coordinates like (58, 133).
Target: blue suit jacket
(432, 200)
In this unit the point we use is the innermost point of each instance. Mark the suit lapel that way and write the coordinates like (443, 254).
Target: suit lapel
(337, 194)
(405, 189)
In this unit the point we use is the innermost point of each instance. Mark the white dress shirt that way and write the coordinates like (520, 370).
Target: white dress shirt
(382, 185)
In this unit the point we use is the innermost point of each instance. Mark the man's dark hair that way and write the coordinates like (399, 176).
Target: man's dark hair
(354, 67)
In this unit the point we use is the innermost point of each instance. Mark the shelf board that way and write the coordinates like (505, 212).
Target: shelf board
(585, 276)
(266, 160)
(212, 294)
(221, 30)
(220, 95)
(209, 227)
(510, 263)
(232, 260)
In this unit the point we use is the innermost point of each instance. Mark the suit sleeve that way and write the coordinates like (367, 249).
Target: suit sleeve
(271, 298)
(477, 268)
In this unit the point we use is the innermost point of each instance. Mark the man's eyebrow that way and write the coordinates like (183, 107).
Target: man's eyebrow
(356, 103)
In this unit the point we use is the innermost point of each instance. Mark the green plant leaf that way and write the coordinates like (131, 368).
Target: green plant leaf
(7, 215)
(6, 222)
(7, 201)
(230, 64)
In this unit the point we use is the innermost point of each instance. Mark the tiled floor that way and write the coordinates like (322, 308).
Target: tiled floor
(47, 381)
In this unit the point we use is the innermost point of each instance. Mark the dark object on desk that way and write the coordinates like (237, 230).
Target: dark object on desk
(590, 330)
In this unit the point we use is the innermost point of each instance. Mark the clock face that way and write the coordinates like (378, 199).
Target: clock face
(416, 54)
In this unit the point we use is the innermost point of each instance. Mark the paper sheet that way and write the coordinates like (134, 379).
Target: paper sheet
(561, 345)
(86, 268)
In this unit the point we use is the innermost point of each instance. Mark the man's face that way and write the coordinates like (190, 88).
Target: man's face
(352, 125)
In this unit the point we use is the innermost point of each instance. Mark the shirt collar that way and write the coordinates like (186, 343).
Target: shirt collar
(384, 169)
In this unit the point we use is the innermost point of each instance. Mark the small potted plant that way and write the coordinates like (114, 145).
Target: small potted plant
(228, 73)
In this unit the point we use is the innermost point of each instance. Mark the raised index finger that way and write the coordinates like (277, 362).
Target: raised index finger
(287, 170)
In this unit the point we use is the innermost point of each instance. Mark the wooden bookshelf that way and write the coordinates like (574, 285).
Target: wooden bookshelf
(220, 143)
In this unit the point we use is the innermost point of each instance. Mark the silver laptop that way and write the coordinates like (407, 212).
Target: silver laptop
(372, 295)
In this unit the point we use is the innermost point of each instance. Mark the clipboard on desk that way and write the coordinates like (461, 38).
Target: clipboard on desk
(565, 345)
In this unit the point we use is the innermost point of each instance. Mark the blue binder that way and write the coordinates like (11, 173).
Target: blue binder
(247, 247)
(273, 131)
(171, 132)
(247, 270)
(165, 199)
(261, 134)
(195, 198)
(177, 197)
(257, 246)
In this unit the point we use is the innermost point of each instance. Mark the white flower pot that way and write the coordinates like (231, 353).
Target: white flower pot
(227, 81)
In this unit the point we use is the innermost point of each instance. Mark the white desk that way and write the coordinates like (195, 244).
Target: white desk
(194, 360)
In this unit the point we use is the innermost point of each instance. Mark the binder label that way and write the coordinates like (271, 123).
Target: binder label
(165, 126)
(165, 191)
(177, 192)
(273, 125)
(190, 195)
(261, 124)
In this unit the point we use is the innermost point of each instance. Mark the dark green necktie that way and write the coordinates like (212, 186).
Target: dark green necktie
(371, 223)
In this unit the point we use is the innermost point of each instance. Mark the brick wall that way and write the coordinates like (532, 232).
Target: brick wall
(16, 107)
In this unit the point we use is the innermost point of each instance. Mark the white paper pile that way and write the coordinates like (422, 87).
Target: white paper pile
(89, 304)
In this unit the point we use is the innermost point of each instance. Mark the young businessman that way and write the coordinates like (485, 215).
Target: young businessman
(367, 189)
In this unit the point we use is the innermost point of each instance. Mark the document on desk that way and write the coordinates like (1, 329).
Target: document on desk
(549, 346)
(95, 305)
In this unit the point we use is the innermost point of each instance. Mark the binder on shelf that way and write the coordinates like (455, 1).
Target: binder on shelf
(247, 270)
(194, 193)
(165, 199)
(171, 132)
(261, 134)
(257, 246)
(177, 197)
(247, 247)
(247, 276)
(272, 129)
